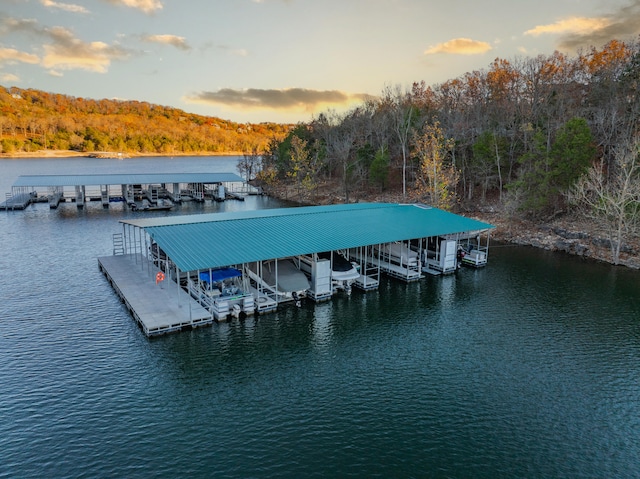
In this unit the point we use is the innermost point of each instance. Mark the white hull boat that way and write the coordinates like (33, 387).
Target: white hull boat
(343, 272)
(281, 277)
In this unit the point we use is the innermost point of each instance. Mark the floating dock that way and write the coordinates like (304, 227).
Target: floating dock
(19, 201)
(131, 188)
(193, 251)
(158, 307)
(366, 283)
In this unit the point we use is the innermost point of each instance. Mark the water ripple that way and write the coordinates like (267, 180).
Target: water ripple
(527, 368)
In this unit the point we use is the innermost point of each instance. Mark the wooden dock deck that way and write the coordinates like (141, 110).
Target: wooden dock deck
(158, 308)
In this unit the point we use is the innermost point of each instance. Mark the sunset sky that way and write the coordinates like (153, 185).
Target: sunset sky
(282, 60)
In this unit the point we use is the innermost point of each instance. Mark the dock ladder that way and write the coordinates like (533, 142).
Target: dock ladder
(104, 195)
(9, 201)
(118, 244)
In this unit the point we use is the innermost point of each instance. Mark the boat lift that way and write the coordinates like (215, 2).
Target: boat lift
(222, 267)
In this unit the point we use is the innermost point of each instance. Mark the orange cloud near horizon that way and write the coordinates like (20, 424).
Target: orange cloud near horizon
(460, 46)
(580, 25)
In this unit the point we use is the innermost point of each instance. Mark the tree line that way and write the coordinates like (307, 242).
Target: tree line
(537, 136)
(33, 120)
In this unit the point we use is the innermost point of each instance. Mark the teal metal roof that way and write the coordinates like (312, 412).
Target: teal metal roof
(125, 179)
(221, 239)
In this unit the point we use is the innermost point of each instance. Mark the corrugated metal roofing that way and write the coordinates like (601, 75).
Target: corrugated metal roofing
(124, 179)
(222, 239)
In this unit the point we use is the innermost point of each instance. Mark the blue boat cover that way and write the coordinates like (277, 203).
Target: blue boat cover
(219, 275)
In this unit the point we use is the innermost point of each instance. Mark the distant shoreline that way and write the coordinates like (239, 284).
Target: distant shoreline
(85, 154)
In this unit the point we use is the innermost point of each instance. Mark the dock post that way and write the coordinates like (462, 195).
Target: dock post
(178, 284)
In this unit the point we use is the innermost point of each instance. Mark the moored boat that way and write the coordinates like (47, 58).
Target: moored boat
(343, 272)
(225, 294)
(281, 277)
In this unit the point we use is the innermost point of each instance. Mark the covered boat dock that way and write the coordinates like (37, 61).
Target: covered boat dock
(218, 260)
(135, 189)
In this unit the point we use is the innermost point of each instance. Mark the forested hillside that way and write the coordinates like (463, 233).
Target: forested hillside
(532, 136)
(32, 120)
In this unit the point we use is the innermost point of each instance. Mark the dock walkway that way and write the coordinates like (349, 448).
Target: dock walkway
(391, 269)
(155, 307)
(17, 202)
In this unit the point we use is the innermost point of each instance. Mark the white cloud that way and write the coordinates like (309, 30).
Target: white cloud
(146, 6)
(69, 53)
(62, 50)
(9, 77)
(226, 49)
(11, 55)
(68, 7)
(173, 40)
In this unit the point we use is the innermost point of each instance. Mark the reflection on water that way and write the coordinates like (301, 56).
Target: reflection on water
(322, 325)
(527, 368)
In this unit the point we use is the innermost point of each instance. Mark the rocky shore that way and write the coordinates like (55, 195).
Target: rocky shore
(575, 236)
(566, 234)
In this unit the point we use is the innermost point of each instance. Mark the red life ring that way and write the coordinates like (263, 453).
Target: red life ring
(159, 277)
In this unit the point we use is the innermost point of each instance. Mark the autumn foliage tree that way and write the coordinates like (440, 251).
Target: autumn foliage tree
(437, 177)
(32, 120)
(519, 133)
(522, 131)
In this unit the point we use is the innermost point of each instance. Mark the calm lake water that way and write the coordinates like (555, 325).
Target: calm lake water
(529, 367)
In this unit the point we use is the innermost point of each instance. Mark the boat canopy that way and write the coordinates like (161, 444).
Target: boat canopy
(217, 275)
(217, 240)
